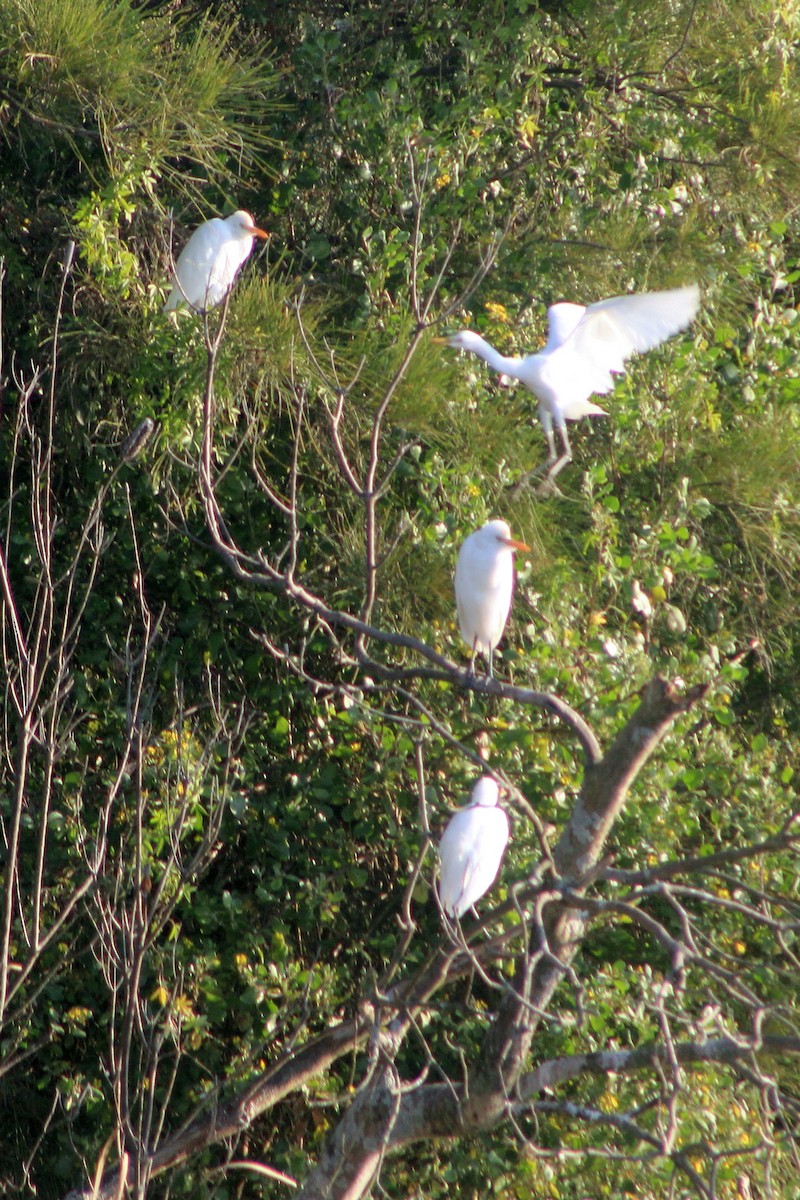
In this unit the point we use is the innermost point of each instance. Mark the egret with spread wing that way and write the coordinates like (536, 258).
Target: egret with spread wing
(586, 347)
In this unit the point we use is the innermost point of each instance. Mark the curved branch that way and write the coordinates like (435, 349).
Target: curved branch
(449, 671)
(258, 572)
(291, 1071)
(788, 836)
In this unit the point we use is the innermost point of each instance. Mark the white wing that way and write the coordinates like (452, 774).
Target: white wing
(451, 860)
(196, 267)
(612, 330)
(226, 266)
(471, 850)
(561, 320)
(565, 375)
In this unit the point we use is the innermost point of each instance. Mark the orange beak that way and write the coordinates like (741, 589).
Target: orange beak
(259, 233)
(437, 341)
(516, 545)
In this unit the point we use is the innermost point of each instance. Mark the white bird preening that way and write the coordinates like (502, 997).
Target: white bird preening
(585, 348)
(209, 262)
(471, 849)
(484, 587)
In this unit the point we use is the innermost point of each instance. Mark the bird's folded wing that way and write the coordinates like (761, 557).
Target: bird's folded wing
(227, 264)
(193, 268)
(475, 880)
(202, 245)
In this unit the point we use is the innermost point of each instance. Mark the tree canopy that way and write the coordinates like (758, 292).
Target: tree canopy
(237, 710)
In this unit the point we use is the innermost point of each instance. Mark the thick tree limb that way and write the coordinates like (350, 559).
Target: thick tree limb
(605, 787)
(606, 784)
(226, 1121)
(438, 1110)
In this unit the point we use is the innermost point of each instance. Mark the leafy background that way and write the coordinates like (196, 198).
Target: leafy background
(595, 149)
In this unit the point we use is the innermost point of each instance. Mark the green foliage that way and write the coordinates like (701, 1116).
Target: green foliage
(593, 149)
(144, 89)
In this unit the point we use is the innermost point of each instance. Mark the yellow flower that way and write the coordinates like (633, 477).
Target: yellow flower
(79, 1015)
(740, 947)
(608, 1103)
(442, 181)
(497, 312)
(183, 1006)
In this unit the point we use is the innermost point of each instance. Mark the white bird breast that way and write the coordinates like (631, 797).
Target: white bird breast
(209, 262)
(471, 851)
(484, 586)
(211, 259)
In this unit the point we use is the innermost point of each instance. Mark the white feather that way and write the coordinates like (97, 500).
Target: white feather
(587, 347)
(211, 260)
(471, 849)
(484, 584)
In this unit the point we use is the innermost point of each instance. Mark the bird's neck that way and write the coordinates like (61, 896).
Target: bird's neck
(498, 362)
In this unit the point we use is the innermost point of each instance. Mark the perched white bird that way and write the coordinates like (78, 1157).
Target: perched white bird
(641, 603)
(585, 348)
(208, 263)
(484, 586)
(472, 848)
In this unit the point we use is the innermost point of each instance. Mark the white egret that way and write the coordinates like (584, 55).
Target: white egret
(471, 849)
(484, 586)
(209, 262)
(641, 603)
(585, 348)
